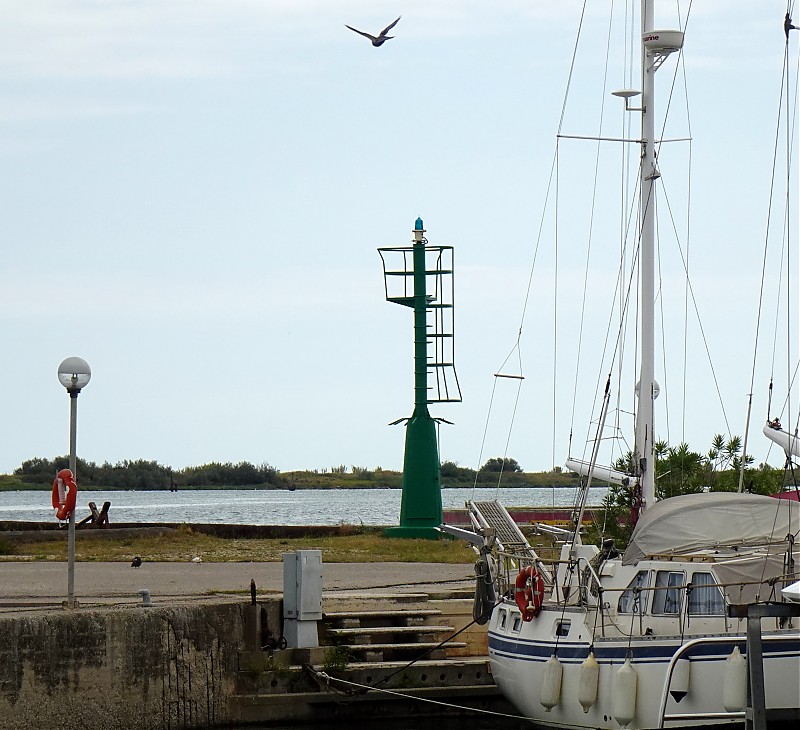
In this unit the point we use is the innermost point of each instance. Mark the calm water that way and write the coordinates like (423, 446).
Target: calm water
(262, 507)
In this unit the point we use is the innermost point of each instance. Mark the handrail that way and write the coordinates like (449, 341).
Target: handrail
(586, 587)
(683, 649)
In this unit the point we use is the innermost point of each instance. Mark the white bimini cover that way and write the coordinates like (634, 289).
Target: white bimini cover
(711, 520)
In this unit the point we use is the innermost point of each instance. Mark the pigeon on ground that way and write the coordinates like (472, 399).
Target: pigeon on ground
(137, 561)
(381, 38)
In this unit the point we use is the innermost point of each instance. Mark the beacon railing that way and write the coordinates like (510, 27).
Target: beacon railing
(399, 272)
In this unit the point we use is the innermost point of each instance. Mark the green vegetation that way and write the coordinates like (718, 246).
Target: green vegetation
(679, 470)
(141, 474)
(336, 659)
(183, 545)
(145, 475)
(6, 547)
(13, 482)
(453, 475)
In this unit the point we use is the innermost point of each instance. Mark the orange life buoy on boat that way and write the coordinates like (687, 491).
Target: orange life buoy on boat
(529, 592)
(65, 494)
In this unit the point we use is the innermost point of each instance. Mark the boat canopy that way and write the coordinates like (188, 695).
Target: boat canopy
(711, 520)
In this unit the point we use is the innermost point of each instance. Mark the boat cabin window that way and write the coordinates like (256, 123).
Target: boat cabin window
(667, 596)
(632, 599)
(705, 598)
(517, 623)
(562, 628)
(501, 621)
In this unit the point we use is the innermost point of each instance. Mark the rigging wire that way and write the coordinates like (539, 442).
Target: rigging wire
(516, 347)
(526, 301)
(632, 52)
(680, 70)
(620, 342)
(783, 109)
(683, 24)
(789, 130)
(764, 259)
(592, 208)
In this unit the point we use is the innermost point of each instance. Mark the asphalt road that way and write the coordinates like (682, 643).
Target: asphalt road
(36, 585)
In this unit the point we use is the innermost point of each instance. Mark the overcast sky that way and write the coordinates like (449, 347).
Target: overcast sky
(192, 193)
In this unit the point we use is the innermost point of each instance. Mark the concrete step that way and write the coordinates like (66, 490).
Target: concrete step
(396, 617)
(397, 651)
(349, 601)
(370, 624)
(365, 634)
(471, 671)
(261, 673)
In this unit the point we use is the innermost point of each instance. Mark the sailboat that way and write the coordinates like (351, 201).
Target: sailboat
(656, 634)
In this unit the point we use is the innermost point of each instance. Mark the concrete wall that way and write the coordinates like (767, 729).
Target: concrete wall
(128, 669)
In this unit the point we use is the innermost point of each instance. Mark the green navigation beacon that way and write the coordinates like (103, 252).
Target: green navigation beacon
(421, 277)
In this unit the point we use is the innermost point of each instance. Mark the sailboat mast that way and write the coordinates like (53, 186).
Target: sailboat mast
(648, 174)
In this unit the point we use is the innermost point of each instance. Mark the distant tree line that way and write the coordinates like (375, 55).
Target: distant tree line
(148, 475)
(143, 474)
(490, 471)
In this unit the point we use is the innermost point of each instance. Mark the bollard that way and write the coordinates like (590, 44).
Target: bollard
(145, 594)
(252, 621)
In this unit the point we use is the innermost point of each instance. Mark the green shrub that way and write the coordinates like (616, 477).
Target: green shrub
(7, 547)
(336, 659)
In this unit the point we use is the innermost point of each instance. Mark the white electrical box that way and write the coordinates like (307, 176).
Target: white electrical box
(302, 597)
(302, 585)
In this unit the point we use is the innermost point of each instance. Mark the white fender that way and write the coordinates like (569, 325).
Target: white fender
(550, 693)
(625, 693)
(587, 684)
(734, 692)
(679, 685)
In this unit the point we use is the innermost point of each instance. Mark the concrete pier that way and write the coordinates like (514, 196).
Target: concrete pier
(119, 669)
(184, 661)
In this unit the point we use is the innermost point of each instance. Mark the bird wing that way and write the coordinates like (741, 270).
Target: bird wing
(390, 26)
(361, 32)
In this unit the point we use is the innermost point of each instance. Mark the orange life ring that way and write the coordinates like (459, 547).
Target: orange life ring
(65, 494)
(529, 592)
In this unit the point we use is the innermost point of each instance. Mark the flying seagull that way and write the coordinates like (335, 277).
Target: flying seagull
(381, 38)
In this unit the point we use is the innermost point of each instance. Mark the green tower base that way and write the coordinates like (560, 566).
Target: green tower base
(421, 502)
(425, 533)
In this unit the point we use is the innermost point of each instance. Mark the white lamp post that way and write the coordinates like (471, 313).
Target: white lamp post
(74, 374)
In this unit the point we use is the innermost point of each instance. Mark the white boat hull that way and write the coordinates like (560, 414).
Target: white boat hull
(518, 660)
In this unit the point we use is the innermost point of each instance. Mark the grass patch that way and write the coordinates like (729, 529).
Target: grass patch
(183, 545)
(336, 659)
(6, 547)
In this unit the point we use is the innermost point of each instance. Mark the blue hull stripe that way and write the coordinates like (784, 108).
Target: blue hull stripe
(571, 652)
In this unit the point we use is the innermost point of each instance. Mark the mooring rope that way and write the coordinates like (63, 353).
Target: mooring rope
(327, 678)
